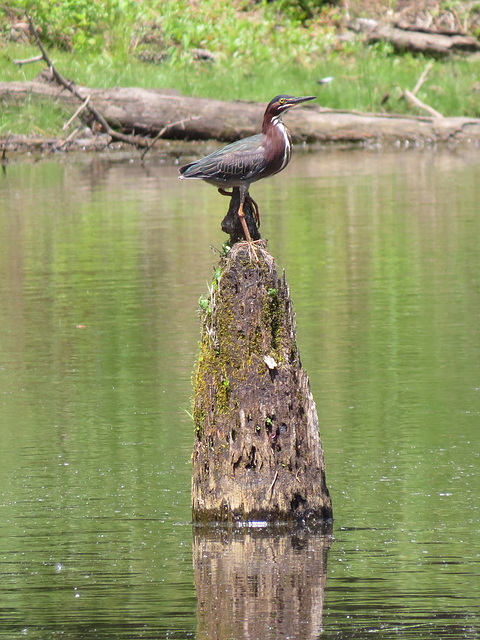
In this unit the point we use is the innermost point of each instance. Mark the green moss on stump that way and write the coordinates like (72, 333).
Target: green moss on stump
(257, 452)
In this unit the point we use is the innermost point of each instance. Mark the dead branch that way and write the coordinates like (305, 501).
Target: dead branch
(422, 78)
(20, 63)
(70, 86)
(410, 97)
(458, 22)
(81, 108)
(68, 138)
(163, 131)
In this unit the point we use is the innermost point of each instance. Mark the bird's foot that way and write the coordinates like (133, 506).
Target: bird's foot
(249, 242)
(252, 247)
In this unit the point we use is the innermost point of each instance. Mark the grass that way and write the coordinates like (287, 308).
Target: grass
(34, 116)
(259, 53)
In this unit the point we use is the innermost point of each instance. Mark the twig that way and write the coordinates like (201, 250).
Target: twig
(77, 113)
(457, 19)
(410, 96)
(421, 105)
(62, 81)
(40, 131)
(28, 60)
(270, 490)
(133, 140)
(59, 78)
(164, 130)
(68, 138)
(422, 78)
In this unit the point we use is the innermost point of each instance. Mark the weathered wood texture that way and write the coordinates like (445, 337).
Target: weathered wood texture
(231, 223)
(252, 584)
(149, 111)
(424, 41)
(427, 43)
(257, 452)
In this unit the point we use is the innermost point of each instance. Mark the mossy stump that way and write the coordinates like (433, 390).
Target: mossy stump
(257, 452)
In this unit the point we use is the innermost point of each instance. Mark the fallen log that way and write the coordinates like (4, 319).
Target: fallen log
(148, 111)
(438, 44)
(425, 41)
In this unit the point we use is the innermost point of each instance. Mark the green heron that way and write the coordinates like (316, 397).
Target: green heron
(251, 159)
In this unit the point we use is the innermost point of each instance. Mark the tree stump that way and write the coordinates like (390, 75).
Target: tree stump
(231, 223)
(257, 452)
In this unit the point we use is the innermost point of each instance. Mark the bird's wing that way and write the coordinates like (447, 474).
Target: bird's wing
(241, 159)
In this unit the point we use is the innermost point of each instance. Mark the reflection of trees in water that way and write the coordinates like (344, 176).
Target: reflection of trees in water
(255, 585)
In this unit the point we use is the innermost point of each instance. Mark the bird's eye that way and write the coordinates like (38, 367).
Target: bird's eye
(282, 100)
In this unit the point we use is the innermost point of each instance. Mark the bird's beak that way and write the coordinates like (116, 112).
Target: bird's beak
(293, 101)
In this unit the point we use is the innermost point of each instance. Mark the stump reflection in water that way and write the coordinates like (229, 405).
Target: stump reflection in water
(253, 584)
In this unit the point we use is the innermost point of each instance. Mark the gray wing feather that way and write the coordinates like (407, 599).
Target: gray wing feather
(243, 158)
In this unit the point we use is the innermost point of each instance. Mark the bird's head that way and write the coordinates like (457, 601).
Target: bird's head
(282, 102)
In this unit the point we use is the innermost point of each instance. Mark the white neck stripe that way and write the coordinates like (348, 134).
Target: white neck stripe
(278, 122)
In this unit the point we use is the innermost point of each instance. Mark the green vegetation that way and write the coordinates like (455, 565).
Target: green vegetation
(254, 51)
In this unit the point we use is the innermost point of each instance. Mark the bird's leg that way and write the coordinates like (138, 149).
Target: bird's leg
(241, 214)
(256, 212)
(249, 199)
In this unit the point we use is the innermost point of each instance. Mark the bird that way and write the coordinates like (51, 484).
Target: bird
(249, 159)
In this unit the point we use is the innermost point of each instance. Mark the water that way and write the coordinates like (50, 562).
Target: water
(102, 262)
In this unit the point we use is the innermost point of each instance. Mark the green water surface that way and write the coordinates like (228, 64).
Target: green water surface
(102, 262)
